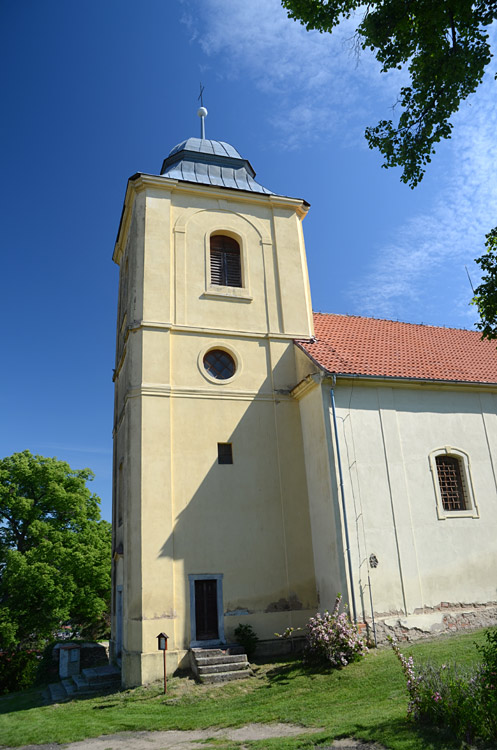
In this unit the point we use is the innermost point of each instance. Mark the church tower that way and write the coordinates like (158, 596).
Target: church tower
(210, 513)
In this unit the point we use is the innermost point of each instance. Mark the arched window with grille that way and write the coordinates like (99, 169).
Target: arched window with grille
(226, 267)
(453, 483)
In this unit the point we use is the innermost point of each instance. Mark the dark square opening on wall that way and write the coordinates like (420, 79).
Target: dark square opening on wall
(224, 453)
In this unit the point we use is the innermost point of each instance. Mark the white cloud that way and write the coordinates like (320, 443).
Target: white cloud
(433, 248)
(316, 82)
(319, 93)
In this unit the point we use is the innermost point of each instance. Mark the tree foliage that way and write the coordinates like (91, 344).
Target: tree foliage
(486, 293)
(55, 552)
(443, 44)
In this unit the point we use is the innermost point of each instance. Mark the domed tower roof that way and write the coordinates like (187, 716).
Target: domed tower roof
(206, 146)
(211, 163)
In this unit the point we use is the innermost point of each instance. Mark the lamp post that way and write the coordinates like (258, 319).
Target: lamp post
(162, 646)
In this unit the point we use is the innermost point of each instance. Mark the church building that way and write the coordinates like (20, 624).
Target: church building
(267, 458)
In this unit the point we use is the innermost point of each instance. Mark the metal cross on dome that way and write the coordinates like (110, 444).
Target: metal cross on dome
(202, 112)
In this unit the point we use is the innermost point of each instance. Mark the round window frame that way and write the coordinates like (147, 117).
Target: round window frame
(223, 348)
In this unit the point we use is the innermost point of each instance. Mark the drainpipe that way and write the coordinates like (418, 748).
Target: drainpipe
(372, 610)
(342, 493)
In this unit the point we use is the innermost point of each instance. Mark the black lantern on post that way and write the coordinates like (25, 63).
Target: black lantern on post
(162, 646)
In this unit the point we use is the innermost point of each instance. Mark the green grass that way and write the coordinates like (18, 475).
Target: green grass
(366, 700)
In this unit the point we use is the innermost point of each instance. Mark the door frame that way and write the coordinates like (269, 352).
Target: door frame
(218, 577)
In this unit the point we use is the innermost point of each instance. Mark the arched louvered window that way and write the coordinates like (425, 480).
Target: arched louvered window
(452, 483)
(226, 269)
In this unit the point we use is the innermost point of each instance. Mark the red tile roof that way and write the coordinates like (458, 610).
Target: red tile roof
(384, 348)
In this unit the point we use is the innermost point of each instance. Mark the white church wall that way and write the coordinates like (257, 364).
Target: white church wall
(386, 436)
(374, 524)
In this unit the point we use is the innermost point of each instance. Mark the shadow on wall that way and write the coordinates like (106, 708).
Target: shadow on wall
(247, 520)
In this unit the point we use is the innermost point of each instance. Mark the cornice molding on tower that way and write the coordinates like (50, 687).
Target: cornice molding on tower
(149, 325)
(307, 384)
(136, 325)
(208, 392)
(141, 180)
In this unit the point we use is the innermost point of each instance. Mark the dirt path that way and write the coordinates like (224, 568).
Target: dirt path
(177, 740)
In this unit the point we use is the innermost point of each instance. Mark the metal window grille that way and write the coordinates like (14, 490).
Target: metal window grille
(452, 486)
(226, 269)
(224, 453)
(219, 364)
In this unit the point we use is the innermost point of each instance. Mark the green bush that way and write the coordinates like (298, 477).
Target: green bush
(246, 637)
(461, 701)
(48, 667)
(489, 680)
(18, 670)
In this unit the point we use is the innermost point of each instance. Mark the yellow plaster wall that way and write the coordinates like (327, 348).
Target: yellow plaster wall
(185, 513)
(275, 295)
(327, 543)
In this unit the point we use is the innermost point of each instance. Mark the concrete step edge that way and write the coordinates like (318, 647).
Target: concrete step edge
(220, 668)
(57, 691)
(208, 652)
(227, 676)
(69, 685)
(80, 681)
(101, 674)
(101, 681)
(237, 659)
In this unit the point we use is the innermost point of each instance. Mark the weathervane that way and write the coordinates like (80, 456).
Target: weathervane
(202, 112)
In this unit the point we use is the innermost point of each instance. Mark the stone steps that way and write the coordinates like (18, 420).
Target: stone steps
(57, 692)
(224, 667)
(199, 652)
(227, 676)
(206, 661)
(69, 685)
(102, 675)
(229, 650)
(218, 665)
(91, 681)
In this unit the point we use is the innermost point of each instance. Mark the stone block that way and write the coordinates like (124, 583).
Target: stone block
(69, 660)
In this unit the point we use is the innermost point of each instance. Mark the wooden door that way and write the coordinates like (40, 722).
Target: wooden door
(206, 619)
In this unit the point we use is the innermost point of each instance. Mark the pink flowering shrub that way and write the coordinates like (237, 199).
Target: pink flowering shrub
(333, 638)
(461, 701)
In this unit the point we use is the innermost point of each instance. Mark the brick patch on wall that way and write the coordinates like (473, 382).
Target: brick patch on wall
(434, 621)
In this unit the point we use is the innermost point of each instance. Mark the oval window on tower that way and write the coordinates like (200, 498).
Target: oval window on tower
(219, 364)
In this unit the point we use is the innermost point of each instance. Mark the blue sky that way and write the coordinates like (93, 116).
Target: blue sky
(94, 92)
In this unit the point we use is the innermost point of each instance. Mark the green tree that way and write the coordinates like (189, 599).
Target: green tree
(444, 46)
(485, 297)
(55, 552)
